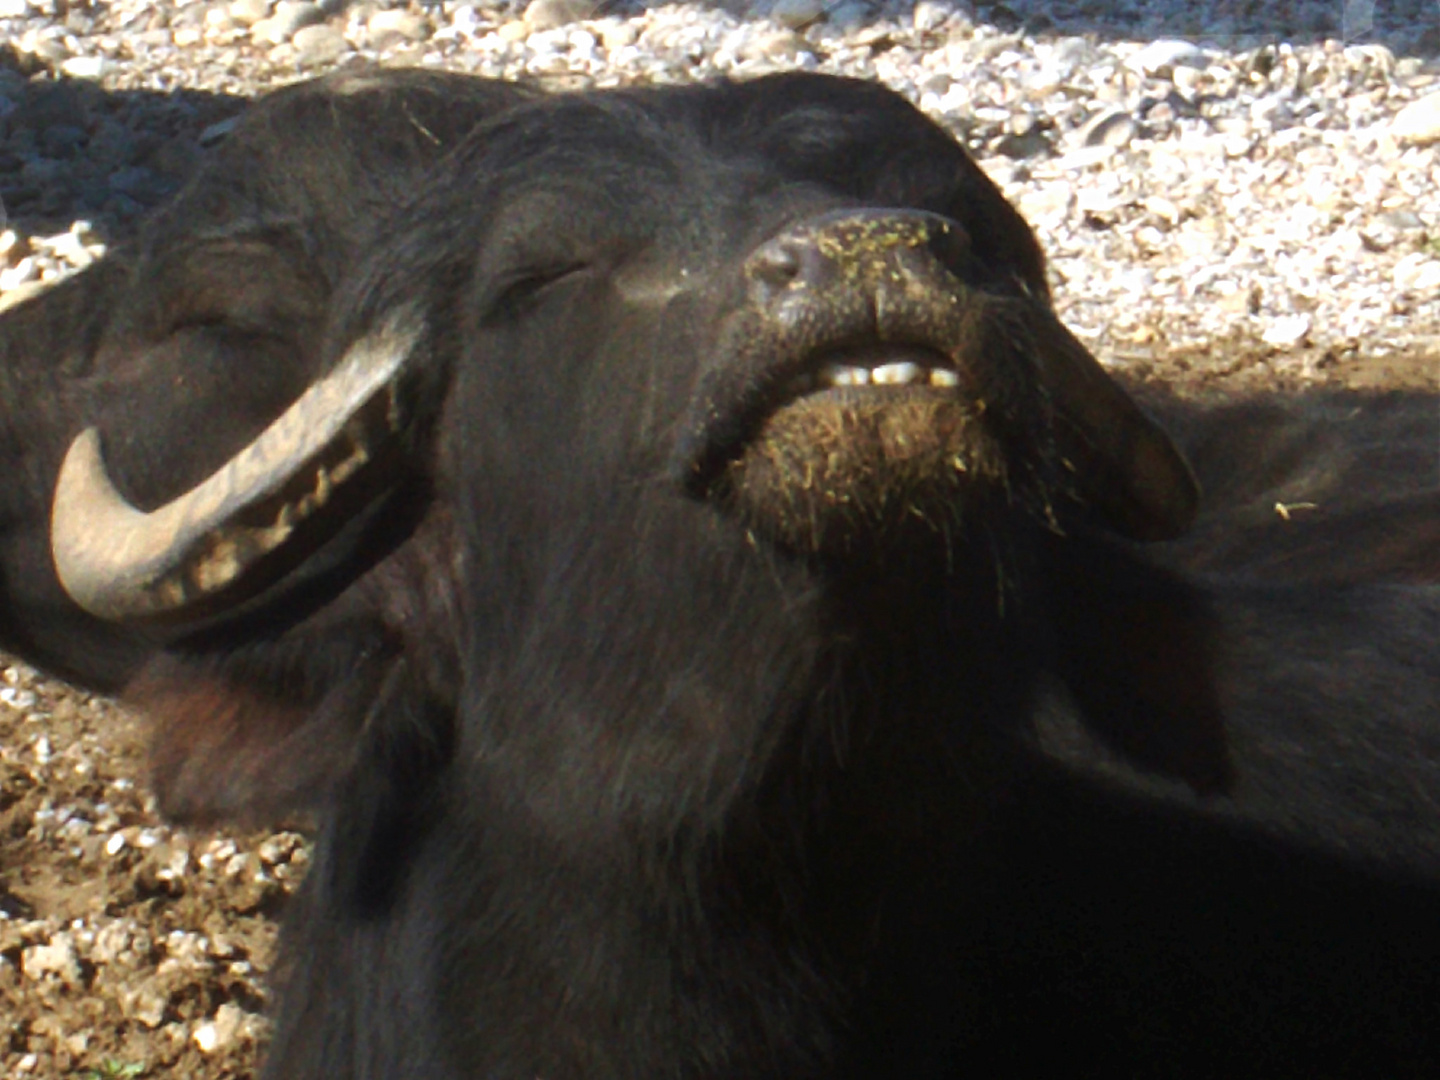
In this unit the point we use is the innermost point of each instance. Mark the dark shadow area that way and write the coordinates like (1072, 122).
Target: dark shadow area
(70, 149)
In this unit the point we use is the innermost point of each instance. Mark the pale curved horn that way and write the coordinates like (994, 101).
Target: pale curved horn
(122, 564)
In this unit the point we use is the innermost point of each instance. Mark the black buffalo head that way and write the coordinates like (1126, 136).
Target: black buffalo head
(693, 538)
(829, 353)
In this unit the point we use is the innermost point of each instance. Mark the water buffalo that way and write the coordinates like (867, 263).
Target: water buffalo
(721, 621)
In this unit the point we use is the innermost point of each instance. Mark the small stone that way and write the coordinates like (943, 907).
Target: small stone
(399, 22)
(319, 45)
(1237, 145)
(249, 12)
(1287, 331)
(1113, 127)
(516, 30)
(1418, 273)
(551, 14)
(147, 1005)
(26, 270)
(1048, 205)
(57, 958)
(1163, 208)
(780, 45)
(618, 35)
(1162, 56)
(930, 14)
(1402, 220)
(797, 14)
(220, 1033)
(291, 16)
(13, 247)
(1419, 122)
(1187, 80)
(14, 9)
(467, 19)
(86, 67)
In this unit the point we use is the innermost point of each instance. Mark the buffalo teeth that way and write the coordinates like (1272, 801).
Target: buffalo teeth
(841, 375)
(898, 374)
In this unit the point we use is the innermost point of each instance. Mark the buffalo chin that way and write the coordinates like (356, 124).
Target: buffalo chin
(846, 472)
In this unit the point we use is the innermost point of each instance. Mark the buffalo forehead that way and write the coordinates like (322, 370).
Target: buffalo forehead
(690, 171)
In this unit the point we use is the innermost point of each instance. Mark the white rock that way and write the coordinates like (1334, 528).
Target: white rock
(57, 958)
(23, 271)
(13, 247)
(777, 45)
(1162, 56)
(1287, 331)
(1418, 122)
(930, 14)
(1047, 206)
(86, 67)
(220, 1033)
(14, 9)
(1418, 273)
(249, 12)
(467, 19)
(399, 21)
(618, 35)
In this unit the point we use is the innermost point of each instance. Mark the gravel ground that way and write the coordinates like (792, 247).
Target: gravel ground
(1231, 192)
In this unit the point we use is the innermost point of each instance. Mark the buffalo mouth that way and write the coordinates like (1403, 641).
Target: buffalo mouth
(922, 413)
(871, 442)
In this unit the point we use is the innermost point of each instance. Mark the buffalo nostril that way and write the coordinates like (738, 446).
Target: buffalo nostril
(948, 241)
(775, 265)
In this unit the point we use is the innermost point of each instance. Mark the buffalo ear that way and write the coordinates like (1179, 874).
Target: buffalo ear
(225, 751)
(1123, 465)
(252, 732)
(363, 753)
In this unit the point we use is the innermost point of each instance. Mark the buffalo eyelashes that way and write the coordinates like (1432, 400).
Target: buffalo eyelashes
(520, 291)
